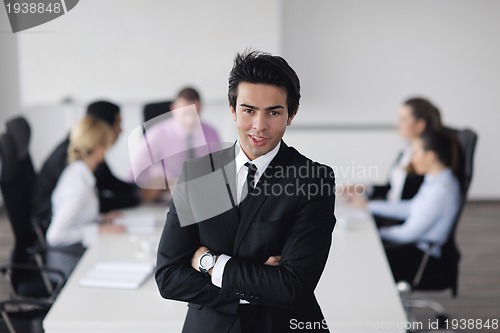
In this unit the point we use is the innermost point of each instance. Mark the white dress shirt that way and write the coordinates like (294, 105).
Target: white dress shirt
(75, 207)
(397, 175)
(429, 216)
(262, 162)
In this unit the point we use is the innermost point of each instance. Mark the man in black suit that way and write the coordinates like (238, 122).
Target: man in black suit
(249, 229)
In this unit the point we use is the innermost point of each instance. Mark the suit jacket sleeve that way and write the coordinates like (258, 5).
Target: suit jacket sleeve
(303, 258)
(113, 192)
(175, 277)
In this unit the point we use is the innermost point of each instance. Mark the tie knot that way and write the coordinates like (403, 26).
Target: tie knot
(252, 168)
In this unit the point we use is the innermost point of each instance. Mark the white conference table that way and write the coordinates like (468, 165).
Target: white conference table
(356, 291)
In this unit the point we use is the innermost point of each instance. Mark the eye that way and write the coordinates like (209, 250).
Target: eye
(273, 113)
(247, 110)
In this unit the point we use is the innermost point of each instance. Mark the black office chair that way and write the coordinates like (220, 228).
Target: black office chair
(444, 275)
(32, 288)
(153, 110)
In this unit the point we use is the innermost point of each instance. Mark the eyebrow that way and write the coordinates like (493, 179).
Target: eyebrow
(270, 108)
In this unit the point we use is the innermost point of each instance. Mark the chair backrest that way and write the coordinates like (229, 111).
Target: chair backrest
(153, 110)
(20, 131)
(467, 140)
(17, 185)
(8, 158)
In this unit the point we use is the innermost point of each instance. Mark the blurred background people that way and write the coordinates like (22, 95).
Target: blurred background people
(75, 203)
(416, 116)
(171, 140)
(75, 219)
(429, 216)
(113, 192)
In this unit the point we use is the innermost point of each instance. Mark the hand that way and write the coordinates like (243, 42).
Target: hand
(359, 201)
(112, 229)
(196, 258)
(348, 190)
(149, 195)
(350, 193)
(110, 216)
(273, 261)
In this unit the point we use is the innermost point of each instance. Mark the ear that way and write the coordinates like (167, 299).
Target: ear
(289, 120)
(233, 113)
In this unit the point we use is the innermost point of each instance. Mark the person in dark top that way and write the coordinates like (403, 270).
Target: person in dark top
(113, 192)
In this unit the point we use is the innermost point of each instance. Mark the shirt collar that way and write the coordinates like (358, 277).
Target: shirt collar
(428, 178)
(261, 162)
(85, 172)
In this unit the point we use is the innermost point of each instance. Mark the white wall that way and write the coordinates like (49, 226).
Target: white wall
(131, 50)
(357, 61)
(9, 78)
(9, 90)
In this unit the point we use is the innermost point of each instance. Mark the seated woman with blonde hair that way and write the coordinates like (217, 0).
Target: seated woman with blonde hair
(75, 204)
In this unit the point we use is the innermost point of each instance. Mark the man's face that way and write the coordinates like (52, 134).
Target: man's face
(186, 117)
(261, 117)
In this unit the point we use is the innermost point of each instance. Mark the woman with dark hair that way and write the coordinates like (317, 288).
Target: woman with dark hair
(416, 116)
(430, 215)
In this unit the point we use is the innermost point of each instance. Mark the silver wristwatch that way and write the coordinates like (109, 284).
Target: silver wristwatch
(206, 262)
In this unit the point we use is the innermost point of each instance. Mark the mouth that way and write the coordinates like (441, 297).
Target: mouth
(258, 140)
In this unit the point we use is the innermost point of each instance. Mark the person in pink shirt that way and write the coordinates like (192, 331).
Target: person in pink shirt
(167, 141)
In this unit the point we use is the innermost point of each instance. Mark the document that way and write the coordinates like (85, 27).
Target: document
(117, 275)
(138, 224)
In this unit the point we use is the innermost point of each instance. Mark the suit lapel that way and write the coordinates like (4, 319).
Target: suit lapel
(266, 182)
(225, 161)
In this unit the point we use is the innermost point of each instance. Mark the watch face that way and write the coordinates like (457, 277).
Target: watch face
(206, 261)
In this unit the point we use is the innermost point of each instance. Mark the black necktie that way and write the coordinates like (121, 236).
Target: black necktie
(252, 169)
(250, 185)
(190, 154)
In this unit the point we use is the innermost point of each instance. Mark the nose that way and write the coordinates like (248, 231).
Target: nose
(260, 122)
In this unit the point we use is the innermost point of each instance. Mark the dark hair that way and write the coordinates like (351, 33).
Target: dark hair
(260, 67)
(190, 94)
(104, 110)
(443, 145)
(423, 109)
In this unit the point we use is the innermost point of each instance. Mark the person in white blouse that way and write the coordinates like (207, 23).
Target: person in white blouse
(75, 203)
(430, 215)
(416, 116)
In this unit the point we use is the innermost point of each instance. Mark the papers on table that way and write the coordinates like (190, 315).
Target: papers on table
(137, 224)
(117, 275)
